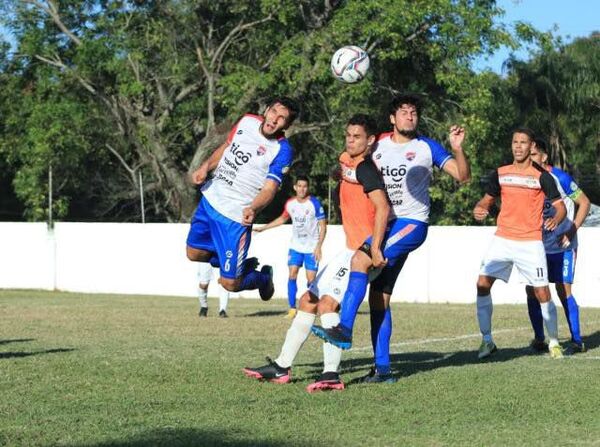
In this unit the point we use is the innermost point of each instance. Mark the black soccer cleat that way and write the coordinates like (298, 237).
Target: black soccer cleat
(338, 335)
(271, 372)
(374, 377)
(203, 312)
(223, 314)
(266, 292)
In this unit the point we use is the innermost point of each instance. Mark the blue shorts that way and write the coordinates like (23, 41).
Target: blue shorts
(308, 259)
(214, 232)
(402, 236)
(561, 267)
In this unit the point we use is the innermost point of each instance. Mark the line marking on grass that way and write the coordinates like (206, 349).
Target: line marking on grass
(457, 338)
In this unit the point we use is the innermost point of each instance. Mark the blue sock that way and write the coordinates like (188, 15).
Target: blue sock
(292, 291)
(381, 333)
(354, 296)
(253, 280)
(535, 316)
(214, 261)
(572, 312)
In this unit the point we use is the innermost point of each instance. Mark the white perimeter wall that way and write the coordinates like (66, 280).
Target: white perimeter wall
(150, 259)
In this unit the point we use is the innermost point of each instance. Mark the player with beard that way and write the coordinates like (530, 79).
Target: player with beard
(248, 169)
(405, 160)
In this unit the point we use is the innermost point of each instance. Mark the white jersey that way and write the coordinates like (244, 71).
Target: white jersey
(249, 159)
(569, 191)
(305, 222)
(406, 169)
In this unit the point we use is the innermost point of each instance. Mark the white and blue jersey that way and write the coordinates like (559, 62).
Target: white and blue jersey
(305, 216)
(406, 170)
(569, 191)
(248, 161)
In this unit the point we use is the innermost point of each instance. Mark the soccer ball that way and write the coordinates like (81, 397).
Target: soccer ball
(350, 64)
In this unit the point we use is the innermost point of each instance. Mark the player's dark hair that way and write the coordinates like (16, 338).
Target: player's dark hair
(526, 130)
(301, 178)
(288, 103)
(541, 145)
(405, 99)
(367, 123)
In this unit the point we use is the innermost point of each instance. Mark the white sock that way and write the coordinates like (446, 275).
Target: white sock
(332, 355)
(551, 322)
(484, 316)
(202, 294)
(296, 336)
(223, 298)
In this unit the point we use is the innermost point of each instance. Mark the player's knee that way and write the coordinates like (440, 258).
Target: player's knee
(542, 294)
(308, 303)
(231, 285)
(327, 305)
(360, 262)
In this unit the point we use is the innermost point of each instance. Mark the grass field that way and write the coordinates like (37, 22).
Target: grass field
(100, 370)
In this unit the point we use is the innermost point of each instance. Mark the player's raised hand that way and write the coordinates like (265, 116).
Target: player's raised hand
(456, 137)
(248, 215)
(480, 213)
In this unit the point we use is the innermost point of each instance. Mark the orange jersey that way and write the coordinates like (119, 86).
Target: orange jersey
(522, 193)
(358, 212)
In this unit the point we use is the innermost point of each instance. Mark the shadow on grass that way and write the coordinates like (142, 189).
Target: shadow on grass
(197, 437)
(18, 354)
(407, 364)
(592, 341)
(267, 313)
(16, 340)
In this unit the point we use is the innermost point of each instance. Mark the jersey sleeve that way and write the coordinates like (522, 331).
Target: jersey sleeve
(492, 187)
(369, 176)
(319, 210)
(439, 155)
(549, 187)
(281, 163)
(567, 183)
(232, 132)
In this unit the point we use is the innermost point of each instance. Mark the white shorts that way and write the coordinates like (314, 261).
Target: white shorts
(332, 279)
(528, 257)
(204, 272)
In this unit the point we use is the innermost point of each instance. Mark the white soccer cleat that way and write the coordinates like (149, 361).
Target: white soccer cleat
(486, 349)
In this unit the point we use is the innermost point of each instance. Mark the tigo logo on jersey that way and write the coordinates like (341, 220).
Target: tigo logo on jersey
(261, 150)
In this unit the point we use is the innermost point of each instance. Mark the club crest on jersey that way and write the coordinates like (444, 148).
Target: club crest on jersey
(261, 150)
(410, 156)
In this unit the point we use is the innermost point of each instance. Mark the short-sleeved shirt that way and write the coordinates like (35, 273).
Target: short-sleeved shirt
(407, 169)
(569, 191)
(249, 159)
(359, 177)
(305, 216)
(522, 193)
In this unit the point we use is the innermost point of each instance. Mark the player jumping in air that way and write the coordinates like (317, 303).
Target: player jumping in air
(309, 227)
(246, 172)
(405, 160)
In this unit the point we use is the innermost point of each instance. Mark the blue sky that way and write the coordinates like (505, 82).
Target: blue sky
(567, 18)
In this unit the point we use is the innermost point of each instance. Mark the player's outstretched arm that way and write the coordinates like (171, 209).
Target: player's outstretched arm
(263, 198)
(199, 175)
(274, 223)
(482, 208)
(458, 167)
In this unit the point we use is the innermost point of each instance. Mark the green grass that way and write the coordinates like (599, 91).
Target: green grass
(100, 370)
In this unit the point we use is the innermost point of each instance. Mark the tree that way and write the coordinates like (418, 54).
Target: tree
(162, 82)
